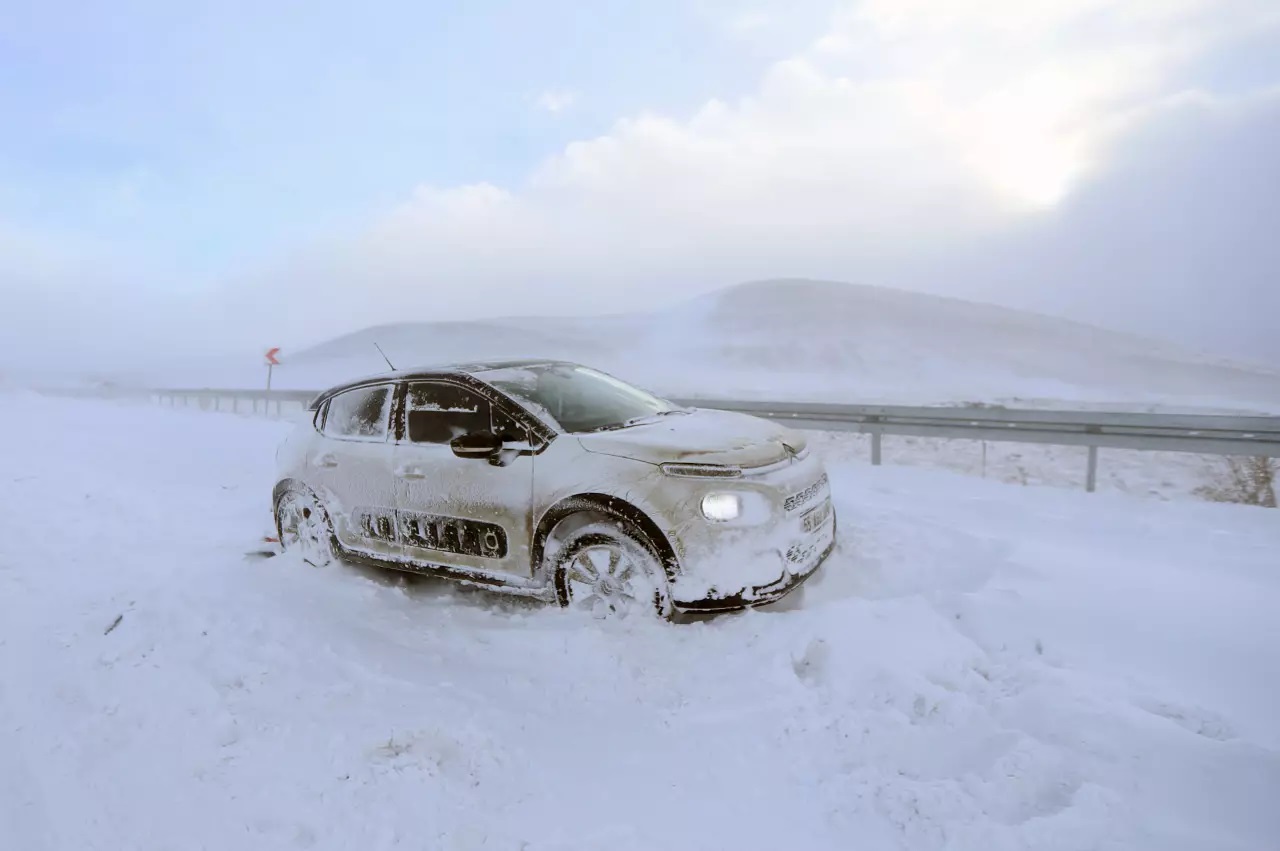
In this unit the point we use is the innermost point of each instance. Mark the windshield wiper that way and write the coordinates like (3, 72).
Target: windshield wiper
(635, 421)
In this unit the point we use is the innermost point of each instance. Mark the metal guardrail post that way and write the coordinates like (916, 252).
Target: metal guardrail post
(877, 437)
(1091, 471)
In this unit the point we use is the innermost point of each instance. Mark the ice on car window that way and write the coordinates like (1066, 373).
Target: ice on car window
(577, 398)
(437, 412)
(359, 413)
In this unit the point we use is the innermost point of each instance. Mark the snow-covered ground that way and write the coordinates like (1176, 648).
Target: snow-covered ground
(980, 666)
(1159, 475)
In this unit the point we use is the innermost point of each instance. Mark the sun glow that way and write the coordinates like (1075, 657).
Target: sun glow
(1028, 141)
(1029, 168)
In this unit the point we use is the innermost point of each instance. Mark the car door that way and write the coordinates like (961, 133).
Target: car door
(350, 468)
(465, 513)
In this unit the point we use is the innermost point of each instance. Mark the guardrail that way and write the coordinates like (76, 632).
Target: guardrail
(235, 401)
(1209, 434)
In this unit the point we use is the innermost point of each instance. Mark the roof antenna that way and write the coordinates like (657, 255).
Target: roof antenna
(384, 356)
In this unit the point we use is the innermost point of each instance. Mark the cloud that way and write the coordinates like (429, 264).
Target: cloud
(906, 139)
(902, 130)
(556, 101)
(1175, 237)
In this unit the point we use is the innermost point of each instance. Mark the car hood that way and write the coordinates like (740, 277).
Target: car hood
(701, 437)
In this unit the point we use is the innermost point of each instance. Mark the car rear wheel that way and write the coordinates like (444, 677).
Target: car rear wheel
(608, 572)
(304, 527)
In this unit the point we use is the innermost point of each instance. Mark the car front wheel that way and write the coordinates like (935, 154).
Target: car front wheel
(608, 572)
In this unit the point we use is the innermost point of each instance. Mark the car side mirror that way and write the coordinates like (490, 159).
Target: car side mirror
(477, 444)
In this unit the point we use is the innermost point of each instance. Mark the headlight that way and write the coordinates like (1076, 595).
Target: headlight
(722, 507)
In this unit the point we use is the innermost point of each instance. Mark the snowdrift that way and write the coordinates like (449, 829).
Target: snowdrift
(979, 666)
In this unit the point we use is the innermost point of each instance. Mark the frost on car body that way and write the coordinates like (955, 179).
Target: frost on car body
(539, 477)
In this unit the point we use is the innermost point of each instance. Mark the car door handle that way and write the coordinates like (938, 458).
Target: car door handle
(326, 460)
(409, 471)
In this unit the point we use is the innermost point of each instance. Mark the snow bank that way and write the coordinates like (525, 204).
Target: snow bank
(980, 666)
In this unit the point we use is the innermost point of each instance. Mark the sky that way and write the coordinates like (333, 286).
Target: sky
(217, 177)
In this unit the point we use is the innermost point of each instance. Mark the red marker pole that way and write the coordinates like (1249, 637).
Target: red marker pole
(271, 364)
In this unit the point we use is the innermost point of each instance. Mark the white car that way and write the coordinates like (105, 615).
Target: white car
(555, 481)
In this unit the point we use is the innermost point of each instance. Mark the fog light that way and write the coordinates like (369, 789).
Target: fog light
(721, 507)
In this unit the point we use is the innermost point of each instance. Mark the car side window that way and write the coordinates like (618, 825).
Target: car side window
(508, 427)
(436, 412)
(360, 414)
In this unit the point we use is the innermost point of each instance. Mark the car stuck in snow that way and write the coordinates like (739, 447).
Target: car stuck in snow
(556, 481)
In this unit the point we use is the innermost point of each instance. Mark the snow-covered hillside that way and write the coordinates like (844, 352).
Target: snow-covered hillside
(980, 666)
(819, 341)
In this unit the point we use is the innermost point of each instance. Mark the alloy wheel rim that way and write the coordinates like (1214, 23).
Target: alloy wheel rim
(605, 579)
(301, 529)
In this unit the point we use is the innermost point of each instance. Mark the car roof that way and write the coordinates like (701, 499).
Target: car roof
(453, 370)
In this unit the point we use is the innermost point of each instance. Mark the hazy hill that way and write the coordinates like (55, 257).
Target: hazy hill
(828, 341)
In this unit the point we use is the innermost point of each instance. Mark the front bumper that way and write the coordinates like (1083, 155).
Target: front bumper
(760, 595)
(729, 566)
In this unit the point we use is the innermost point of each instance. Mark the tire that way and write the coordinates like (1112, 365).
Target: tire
(304, 526)
(610, 571)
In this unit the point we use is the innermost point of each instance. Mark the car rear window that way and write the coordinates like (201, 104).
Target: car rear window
(363, 413)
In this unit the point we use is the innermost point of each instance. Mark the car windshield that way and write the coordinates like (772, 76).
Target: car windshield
(578, 399)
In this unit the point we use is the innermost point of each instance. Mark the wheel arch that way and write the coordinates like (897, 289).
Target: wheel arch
(284, 486)
(613, 507)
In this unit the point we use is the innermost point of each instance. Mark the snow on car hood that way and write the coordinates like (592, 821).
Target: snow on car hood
(701, 437)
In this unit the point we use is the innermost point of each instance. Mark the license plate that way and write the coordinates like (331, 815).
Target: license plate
(815, 517)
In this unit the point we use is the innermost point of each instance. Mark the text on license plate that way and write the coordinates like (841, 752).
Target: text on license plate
(816, 516)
